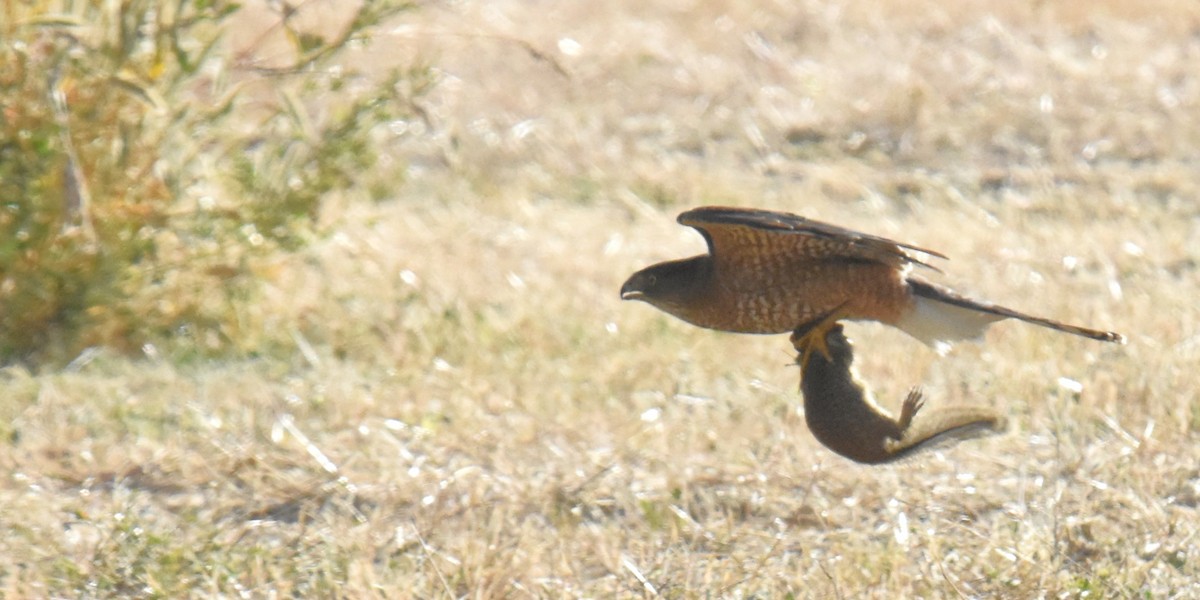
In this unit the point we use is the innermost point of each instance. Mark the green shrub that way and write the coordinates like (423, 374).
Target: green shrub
(144, 167)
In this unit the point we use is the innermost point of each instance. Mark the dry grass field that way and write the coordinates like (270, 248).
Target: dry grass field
(469, 411)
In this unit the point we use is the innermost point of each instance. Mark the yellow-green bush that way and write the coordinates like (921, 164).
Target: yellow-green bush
(137, 186)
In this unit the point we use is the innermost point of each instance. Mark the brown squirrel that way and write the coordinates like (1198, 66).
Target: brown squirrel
(842, 414)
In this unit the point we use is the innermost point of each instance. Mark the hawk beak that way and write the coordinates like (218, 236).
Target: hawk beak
(630, 291)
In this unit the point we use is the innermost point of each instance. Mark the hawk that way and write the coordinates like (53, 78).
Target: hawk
(773, 272)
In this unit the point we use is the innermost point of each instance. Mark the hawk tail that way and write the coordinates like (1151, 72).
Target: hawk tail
(942, 316)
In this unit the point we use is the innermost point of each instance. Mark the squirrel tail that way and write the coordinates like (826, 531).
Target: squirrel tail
(948, 424)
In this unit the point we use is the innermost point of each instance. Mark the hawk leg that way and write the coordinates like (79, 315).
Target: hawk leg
(810, 336)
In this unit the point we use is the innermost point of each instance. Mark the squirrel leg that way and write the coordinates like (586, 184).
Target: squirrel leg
(912, 403)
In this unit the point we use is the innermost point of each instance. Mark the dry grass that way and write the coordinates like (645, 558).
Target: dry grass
(471, 412)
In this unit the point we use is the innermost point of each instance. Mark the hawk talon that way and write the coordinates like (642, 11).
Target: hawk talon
(812, 335)
(810, 345)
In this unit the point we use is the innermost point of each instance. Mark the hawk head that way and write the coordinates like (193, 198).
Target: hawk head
(671, 286)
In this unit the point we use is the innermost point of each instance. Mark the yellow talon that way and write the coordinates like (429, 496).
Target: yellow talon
(811, 336)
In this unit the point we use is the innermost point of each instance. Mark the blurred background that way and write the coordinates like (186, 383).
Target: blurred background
(320, 298)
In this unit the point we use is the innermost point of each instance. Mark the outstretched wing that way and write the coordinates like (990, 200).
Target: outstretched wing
(743, 238)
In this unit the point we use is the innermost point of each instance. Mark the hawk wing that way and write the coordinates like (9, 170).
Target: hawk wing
(740, 237)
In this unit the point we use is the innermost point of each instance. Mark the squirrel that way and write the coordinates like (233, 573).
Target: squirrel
(842, 414)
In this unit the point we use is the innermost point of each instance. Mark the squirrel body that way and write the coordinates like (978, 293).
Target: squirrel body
(842, 413)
